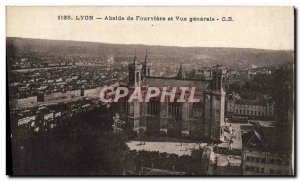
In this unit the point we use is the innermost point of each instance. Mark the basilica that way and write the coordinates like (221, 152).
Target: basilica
(201, 119)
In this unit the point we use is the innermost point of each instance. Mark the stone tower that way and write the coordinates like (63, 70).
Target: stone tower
(134, 108)
(215, 104)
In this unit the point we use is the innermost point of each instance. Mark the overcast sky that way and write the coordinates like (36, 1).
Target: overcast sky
(262, 27)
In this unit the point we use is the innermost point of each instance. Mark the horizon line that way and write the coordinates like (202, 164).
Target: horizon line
(88, 41)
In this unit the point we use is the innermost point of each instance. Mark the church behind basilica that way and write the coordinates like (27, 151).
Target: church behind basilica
(198, 120)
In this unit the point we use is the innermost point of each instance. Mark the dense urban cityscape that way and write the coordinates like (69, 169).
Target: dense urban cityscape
(243, 124)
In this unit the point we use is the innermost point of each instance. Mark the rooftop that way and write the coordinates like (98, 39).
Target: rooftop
(200, 85)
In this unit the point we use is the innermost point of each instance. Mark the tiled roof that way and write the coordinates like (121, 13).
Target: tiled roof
(255, 140)
(262, 139)
(201, 85)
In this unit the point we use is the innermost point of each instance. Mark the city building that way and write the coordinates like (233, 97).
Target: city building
(262, 154)
(263, 107)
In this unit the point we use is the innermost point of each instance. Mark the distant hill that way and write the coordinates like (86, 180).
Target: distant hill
(230, 57)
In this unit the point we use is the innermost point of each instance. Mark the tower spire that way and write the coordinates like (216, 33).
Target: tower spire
(134, 59)
(180, 72)
(146, 55)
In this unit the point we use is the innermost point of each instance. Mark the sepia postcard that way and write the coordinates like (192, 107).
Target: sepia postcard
(150, 91)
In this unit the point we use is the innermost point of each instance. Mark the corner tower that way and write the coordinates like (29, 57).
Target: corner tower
(215, 104)
(134, 73)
